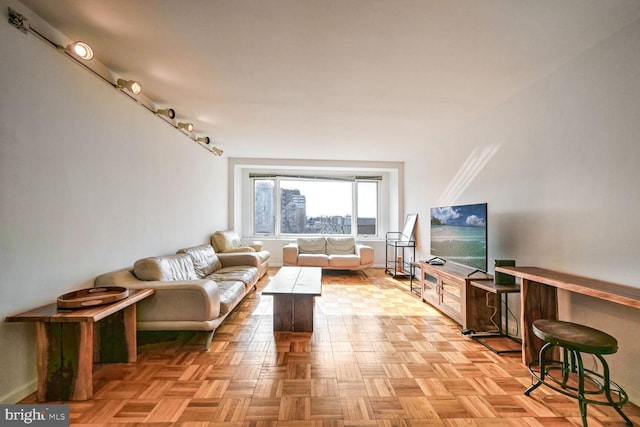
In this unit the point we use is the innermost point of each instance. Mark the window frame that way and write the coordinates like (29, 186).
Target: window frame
(277, 179)
(241, 192)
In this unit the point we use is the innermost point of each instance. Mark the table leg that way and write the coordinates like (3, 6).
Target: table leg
(504, 296)
(116, 337)
(293, 313)
(283, 313)
(303, 313)
(130, 333)
(65, 361)
(538, 301)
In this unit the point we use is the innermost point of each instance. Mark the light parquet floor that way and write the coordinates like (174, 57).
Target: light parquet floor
(377, 357)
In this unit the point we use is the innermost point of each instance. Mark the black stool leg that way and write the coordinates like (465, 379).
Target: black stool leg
(607, 390)
(542, 366)
(569, 366)
(576, 358)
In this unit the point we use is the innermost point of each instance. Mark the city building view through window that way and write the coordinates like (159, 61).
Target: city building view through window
(315, 206)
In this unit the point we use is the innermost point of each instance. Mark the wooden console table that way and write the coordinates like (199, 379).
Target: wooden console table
(293, 290)
(66, 343)
(539, 298)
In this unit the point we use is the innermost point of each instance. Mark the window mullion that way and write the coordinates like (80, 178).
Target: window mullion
(354, 208)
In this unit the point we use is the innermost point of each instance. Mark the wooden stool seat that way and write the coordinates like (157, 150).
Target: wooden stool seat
(567, 375)
(575, 337)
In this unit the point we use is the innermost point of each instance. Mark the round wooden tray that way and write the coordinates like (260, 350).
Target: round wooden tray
(92, 296)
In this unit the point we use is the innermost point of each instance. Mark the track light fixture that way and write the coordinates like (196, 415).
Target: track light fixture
(169, 112)
(19, 21)
(131, 85)
(185, 126)
(206, 140)
(82, 50)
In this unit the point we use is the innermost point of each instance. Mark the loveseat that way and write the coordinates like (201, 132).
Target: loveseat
(195, 289)
(229, 242)
(328, 252)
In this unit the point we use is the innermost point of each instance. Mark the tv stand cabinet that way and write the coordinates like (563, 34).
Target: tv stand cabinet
(448, 288)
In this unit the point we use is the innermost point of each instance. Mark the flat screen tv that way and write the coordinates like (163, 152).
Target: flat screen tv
(459, 234)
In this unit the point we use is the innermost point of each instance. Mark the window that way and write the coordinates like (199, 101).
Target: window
(367, 205)
(264, 206)
(315, 205)
(262, 203)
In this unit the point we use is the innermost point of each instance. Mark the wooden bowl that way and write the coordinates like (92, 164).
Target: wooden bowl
(92, 296)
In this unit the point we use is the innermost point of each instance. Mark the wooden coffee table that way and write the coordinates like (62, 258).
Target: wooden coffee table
(66, 343)
(294, 290)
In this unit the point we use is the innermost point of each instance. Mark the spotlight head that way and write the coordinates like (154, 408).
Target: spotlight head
(82, 50)
(18, 21)
(204, 139)
(186, 126)
(131, 85)
(216, 151)
(169, 112)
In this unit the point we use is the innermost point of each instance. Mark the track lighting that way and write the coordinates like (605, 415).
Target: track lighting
(169, 112)
(19, 21)
(186, 126)
(206, 140)
(82, 50)
(131, 85)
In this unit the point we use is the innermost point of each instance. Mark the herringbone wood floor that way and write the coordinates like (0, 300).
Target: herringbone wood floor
(377, 357)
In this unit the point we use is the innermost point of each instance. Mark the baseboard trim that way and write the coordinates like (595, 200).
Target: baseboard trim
(20, 393)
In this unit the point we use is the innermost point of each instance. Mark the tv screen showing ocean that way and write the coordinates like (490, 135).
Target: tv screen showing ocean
(460, 244)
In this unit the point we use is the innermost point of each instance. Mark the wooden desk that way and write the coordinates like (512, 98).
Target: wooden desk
(293, 290)
(539, 298)
(66, 343)
(502, 292)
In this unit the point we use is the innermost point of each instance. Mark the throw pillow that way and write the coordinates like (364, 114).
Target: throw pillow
(341, 245)
(166, 268)
(311, 245)
(205, 260)
(224, 240)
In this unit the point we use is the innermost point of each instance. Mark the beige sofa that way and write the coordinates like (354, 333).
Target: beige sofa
(195, 289)
(228, 242)
(334, 253)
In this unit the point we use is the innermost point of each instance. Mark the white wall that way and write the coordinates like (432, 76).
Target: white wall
(558, 166)
(91, 181)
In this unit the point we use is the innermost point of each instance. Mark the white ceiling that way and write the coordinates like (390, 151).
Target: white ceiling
(270, 78)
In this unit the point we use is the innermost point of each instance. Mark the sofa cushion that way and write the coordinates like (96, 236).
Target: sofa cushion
(313, 260)
(341, 245)
(224, 240)
(238, 249)
(311, 245)
(229, 242)
(344, 261)
(167, 268)
(205, 260)
(231, 292)
(241, 273)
